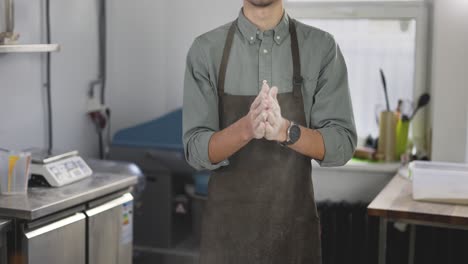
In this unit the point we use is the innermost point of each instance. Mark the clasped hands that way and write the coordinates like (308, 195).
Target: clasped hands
(264, 119)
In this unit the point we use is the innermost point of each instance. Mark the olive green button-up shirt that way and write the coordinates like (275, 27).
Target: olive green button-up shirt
(266, 55)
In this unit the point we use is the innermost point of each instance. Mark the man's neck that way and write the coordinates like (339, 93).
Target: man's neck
(265, 18)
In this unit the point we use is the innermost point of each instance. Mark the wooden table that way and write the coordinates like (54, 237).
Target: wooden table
(395, 203)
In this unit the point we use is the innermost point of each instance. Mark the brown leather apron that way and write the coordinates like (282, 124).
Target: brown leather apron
(261, 208)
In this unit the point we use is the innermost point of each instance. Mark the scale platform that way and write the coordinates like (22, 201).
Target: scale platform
(58, 169)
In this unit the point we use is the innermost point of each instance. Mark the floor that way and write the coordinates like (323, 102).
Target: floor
(185, 253)
(148, 258)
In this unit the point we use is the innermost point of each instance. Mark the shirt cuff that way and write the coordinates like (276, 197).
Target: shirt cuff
(334, 155)
(204, 140)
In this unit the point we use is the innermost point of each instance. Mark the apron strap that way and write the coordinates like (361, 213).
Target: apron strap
(222, 70)
(225, 59)
(297, 77)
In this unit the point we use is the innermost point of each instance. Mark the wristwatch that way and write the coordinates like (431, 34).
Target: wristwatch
(292, 135)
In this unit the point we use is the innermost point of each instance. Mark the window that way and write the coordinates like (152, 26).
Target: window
(367, 46)
(375, 35)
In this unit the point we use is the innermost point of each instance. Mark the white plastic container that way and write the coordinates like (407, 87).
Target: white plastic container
(439, 181)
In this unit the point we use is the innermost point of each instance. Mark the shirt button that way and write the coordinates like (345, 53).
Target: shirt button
(265, 51)
(251, 38)
(278, 37)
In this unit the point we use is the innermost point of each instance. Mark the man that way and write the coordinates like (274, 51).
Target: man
(258, 140)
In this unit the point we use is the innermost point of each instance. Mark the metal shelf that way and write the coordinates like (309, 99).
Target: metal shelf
(29, 48)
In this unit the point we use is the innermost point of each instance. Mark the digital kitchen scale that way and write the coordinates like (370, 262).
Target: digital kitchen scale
(59, 170)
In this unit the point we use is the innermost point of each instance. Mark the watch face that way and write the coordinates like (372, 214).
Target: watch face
(294, 133)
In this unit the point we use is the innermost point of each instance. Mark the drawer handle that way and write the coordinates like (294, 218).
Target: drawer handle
(112, 204)
(56, 225)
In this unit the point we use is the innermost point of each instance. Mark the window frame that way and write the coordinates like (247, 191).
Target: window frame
(418, 10)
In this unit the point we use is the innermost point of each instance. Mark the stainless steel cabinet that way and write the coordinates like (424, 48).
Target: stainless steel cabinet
(4, 225)
(50, 225)
(100, 235)
(60, 242)
(166, 174)
(2, 248)
(110, 232)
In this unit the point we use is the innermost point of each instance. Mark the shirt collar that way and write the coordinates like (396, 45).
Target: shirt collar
(251, 33)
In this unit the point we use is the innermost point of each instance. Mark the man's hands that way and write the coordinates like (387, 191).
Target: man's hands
(275, 125)
(264, 119)
(257, 115)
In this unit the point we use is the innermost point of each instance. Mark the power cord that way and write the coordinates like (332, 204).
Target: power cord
(103, 55)
(103, 49)
(99, 113)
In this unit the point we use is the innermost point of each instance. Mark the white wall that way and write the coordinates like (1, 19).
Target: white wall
(450, 81)
(190, 19)
(148, 44)
(75, 28)
(22, 109)
(136, 62)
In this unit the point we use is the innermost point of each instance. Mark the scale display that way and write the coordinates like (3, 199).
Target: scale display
(61, 170)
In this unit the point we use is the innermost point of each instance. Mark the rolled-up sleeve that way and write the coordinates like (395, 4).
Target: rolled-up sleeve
(200, 111)
(332, 111)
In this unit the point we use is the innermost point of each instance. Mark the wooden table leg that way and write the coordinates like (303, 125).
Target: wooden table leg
(382, 240)
(412, 241)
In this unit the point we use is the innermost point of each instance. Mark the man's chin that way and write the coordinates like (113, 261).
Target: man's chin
(261, 3)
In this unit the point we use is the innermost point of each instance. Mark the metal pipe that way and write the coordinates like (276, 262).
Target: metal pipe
(382, 240)
(49, 80)
(10, 15)
(412, 242)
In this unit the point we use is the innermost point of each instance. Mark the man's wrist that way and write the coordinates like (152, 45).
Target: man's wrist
(246, 132)
(284, 130)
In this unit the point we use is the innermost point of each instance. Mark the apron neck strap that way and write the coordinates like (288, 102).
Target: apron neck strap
(297, 77)
(225, 58)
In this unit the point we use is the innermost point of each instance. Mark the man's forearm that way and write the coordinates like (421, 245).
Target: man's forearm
(310, 144)
(228, 141)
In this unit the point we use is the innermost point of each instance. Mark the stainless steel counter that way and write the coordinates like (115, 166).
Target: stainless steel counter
(90, 219)
(43, 201)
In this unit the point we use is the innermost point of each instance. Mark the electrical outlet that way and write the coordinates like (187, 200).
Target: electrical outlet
(94, 105)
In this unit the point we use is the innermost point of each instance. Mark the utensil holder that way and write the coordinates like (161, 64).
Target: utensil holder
(387, 136)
